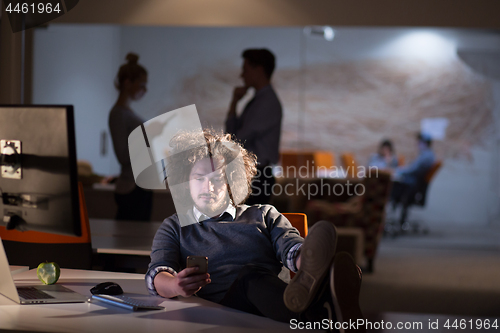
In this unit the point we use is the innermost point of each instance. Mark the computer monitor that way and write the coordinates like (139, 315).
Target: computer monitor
(38, 179)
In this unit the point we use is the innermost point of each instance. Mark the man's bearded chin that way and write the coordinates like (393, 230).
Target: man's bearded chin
(217, 208)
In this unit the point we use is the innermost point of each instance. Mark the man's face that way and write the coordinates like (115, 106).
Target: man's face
(249, 73)
(208, 187)
(386, 151)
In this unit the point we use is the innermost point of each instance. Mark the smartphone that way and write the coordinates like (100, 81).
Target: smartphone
(200, 261)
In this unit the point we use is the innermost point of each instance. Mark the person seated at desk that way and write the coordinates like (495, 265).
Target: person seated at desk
(405, 179)
(385, 158)
(247, 246)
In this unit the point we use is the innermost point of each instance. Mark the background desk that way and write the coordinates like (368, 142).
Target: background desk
(18, 269)
(100, 200)
(180, 315)
(122, 245)
(123, 237)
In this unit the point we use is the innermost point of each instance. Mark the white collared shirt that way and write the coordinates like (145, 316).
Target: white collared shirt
(200, 217)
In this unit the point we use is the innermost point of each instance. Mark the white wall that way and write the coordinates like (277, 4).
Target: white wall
(76, 65)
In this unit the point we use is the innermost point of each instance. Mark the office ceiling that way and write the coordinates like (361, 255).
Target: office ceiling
(232, 13)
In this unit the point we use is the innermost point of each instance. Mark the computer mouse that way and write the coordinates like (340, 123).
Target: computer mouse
(107, 288)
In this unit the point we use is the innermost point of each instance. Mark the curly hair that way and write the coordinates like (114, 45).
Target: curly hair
(189, 147)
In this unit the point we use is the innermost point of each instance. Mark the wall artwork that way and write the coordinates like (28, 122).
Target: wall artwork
(351, 106)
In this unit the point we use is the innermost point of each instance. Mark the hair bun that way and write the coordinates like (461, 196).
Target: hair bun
(132, 58)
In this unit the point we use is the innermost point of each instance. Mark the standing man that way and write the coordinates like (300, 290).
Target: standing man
(259, 126)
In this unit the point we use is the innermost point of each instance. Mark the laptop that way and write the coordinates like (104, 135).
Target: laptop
(35, 294)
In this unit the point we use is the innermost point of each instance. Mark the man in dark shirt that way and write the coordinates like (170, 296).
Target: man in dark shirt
(259, 126)
(247, 246)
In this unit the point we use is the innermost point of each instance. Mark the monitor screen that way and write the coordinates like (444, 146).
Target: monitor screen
(38, 179)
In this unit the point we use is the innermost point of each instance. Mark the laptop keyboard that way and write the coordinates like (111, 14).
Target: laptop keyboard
(32, 293)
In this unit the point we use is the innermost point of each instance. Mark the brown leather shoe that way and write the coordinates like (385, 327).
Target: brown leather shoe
(345, 284)
(316, 257)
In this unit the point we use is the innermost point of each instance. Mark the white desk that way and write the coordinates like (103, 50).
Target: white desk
(180, 315)
(18, 269)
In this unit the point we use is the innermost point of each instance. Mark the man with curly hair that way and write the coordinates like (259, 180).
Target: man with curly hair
(210, 177)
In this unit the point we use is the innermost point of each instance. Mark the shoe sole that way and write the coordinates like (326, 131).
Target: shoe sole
(315, 264)
(345, 284)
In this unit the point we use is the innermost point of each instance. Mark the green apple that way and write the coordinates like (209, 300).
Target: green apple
(48, 272)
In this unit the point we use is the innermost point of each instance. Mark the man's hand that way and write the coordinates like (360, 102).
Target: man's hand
(239, 92)
(187, 282)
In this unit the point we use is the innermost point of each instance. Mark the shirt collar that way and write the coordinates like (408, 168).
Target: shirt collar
(200, 217)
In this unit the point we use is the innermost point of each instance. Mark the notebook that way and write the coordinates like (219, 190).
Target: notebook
(33, 294)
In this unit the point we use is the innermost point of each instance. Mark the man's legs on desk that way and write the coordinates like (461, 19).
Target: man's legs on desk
(259, 291)
(323, 288)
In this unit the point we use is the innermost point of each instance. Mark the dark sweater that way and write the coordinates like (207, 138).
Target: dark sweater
(258, 235)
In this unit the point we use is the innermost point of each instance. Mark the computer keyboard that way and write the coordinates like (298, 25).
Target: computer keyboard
(32, 293)
(126, 302)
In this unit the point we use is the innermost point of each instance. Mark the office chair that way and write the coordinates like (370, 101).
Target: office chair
(401, 160)
(294, 161)
(324, 159)
(349, 164)
(30, 248)
(310, 161)
(417, 196)
(299, 222)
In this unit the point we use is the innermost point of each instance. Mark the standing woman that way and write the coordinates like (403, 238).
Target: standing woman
(134, 203)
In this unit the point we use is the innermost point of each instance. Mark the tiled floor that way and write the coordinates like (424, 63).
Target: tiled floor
(450, 271)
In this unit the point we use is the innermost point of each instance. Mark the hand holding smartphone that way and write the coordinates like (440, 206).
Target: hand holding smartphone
(198, 261)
